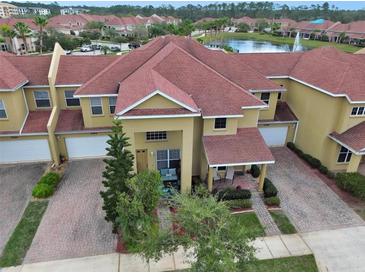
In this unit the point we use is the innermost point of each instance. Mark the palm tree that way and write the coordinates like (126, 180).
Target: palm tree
(41, 22)
(7, 32)
(23, 31)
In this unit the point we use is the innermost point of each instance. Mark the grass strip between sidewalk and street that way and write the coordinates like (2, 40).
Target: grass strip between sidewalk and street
(22, 237)
(283, 223)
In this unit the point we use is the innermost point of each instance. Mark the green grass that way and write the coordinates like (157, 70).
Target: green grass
(305, 263)
(283, 222)
(279, 40)
(251, 222)
(22, 237)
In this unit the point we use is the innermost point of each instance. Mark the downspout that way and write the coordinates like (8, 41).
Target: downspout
(296, 131)
(26, 116)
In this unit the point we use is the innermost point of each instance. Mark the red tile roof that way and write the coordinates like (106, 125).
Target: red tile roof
(284, 113)
(156, 111)
(80, 69)
(36, 122)
(12, 21)
(246, 147)
(10, 76)
(353, 137)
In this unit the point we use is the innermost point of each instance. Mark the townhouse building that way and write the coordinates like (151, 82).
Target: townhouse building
(185, 107)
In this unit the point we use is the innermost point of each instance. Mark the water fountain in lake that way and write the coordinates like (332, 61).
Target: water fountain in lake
(297, 45)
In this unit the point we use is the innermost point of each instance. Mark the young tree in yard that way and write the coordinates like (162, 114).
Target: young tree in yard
(118, 170)
(136, 220)
(206, 227)
(23, 31)
(41, 22)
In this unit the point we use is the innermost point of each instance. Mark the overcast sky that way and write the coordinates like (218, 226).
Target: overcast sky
(353, 5)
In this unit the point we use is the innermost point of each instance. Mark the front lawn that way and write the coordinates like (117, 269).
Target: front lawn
(22, 237)
(279, 40)
(283, 222)
(251, 222)
(304, 263)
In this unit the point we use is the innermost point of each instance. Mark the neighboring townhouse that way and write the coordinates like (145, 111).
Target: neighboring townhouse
(354, 31)
(184, 106)
(251, 22)
(16, 44)
(33, 10)
(8, 10)
(70, 11)
(316, 27)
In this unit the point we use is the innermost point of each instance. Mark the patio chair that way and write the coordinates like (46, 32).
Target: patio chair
(230, 174)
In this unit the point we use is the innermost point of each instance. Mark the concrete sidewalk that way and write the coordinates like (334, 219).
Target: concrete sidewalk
(266, 248)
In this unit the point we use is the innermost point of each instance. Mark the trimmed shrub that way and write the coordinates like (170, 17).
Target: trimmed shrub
(272, 201)
(269, 189)
(353, 183)
(233, 194)
(46, 185)
(291, 146)
(323, 170)
(240, 203)
(255, 171)
(313, 162)
(42, 191)
(330, 174)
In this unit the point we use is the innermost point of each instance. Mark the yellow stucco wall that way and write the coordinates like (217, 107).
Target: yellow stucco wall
(268, 113)
(249, 119)
(208, 127)
(92, 121)
(15, 108)
(347, 121)
(29, 95)
(61, 97)
(157, 101)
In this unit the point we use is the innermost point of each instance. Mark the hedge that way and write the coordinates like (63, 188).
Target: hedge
(233, 194)
(255, 171)
(239, 203)
(269, 189)
(46, 185)
(353, 183)
(272, 201)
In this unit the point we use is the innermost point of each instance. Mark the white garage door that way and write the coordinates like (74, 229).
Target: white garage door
(274, 136)
(80, 147)
(24, 151)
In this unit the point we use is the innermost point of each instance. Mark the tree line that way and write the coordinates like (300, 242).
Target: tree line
(236, 10)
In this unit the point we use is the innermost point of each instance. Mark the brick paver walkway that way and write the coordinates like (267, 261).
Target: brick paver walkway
(73, 224)
(307, 201)
(164, 216)
(263, 215)
(16, 183)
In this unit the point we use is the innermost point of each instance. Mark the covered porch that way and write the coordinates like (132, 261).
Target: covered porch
(229, 157)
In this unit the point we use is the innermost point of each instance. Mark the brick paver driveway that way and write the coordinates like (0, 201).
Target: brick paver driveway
(309, 203)
(74, 225)
(16, 183)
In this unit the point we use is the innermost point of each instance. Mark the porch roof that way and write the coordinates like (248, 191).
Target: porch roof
(247, 147)
(353, 138)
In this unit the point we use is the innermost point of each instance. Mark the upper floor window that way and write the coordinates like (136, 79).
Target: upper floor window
(156, 135)
(358, 111)
(112, 103)
(70, 100)
(220, 123)
(344, 156)
(96, 106)
(42, 99)
(265, 97)
(2, 110)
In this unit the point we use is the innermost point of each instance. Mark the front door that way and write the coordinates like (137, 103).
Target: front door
(142, 161)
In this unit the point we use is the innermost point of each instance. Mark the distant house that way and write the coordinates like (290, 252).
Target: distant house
(353, 31)
(8, 10)
(33, 10)
(66, 11)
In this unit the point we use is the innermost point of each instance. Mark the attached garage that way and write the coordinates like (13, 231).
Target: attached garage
(274, 136)
(83, 147)
(34, 150)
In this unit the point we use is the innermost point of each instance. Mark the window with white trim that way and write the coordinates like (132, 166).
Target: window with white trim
(358, 111)
(3, 114)
(168, 158)
(112, 103)
(220, 123)
(96, 106)
(344, 156)
(156, 135)
(42, 99)
(71, 101)
(265, 97)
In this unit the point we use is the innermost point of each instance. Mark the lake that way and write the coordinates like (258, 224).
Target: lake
(250, 46)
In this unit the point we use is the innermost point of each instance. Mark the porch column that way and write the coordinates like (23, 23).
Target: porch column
(186, 161)
(354, 163)
(262, 177)
(210, 179)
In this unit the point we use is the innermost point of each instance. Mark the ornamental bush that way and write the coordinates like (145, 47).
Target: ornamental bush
(323, 169)
(272, 201)
(51, 179)
(233, 194)
(269, 189)
(255, 171)
(239, 203)
(353, 183)
(46, 185)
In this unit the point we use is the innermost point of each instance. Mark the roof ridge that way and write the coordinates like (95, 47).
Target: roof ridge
(216, 72)
(9, 64)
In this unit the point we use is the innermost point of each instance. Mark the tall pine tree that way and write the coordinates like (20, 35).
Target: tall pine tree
(118, 169)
